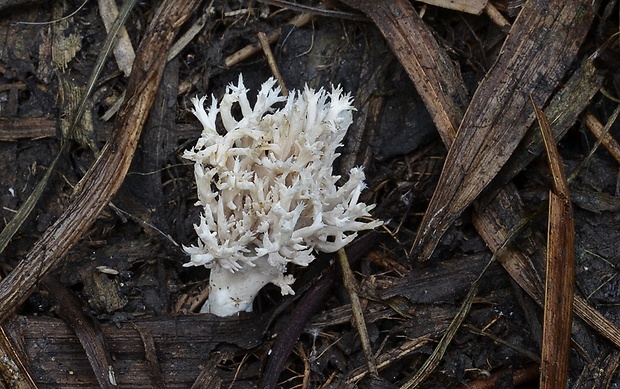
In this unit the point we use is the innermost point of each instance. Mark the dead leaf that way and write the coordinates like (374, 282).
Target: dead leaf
(542, 44)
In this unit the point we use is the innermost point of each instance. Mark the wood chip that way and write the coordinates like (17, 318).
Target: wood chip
(469, 6)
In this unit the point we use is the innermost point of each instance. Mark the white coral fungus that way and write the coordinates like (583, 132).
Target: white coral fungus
(268, 191)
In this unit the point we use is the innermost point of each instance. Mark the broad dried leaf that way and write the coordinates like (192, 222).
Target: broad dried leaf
(563, 111)
(542, 44)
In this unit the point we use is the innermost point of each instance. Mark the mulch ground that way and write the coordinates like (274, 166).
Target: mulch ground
(490, 227)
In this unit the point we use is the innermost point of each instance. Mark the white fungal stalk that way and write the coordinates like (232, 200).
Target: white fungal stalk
(268, 191)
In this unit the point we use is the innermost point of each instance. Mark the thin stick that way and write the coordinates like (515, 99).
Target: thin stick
(272, 37)
(271, 60)
(358, 315)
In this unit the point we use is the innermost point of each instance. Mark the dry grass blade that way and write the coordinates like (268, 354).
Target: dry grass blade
(123, 49)
(104, 178)
(494, 227)
(542, 43)
(24, 210)
(603, 134)
(596, 320)
(388, 357)
(560, 183)
(433, 361)
(608, 141)
(560, 277)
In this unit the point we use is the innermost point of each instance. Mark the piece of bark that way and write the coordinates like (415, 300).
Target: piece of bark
(71, 96)
(563, 111)
(103, 179)
(141, 193)
(208, 377)
(65, 42)
(14, 368)
(541, 46)
(447, 281)
(183, 345)
(12, 129)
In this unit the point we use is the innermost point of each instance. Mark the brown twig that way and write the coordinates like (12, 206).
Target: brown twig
(272, 37)
(608, 141)
(87, 329)
(306, 306)
(496, 17)
(271, 60)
